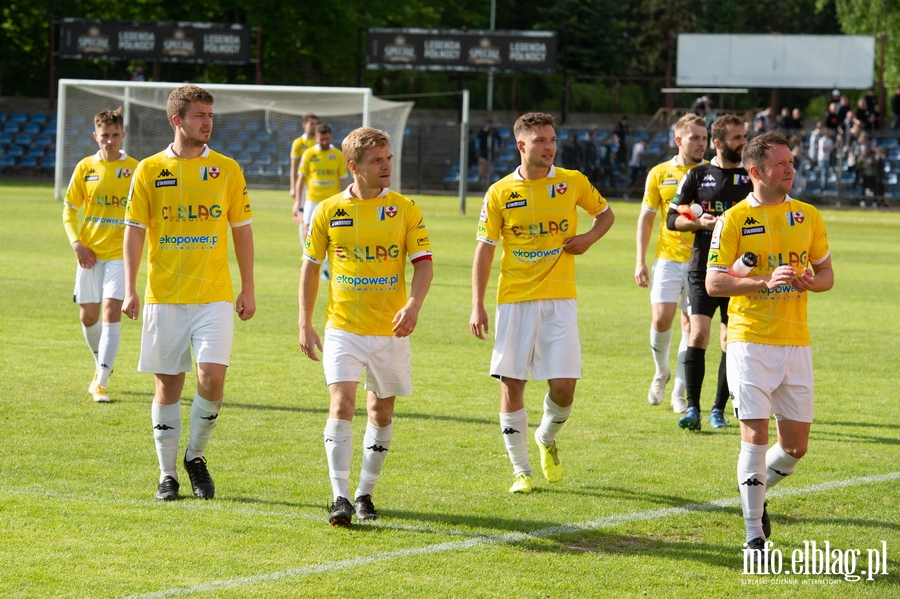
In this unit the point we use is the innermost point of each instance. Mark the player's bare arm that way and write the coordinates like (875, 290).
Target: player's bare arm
(644, 230)
(406, 319)
(295, 165)
(722, 284)
(481, 273)
(298, 196)
(581, 243)
(132, 248)
(245, 305)
(84, 255)
(820, 279)
(309, 287)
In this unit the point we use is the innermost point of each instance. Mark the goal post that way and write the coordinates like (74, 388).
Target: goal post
(254, 124)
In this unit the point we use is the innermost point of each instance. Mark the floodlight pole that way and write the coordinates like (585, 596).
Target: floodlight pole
(464, 151)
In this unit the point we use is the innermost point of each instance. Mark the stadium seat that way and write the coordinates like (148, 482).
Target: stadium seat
(10, 128)
(23, 140)
(233, 125)
(889, 143)
(36, 152)
(78, 120)
(501, 167)
(43, 140)
(233, 147)
(29, 162)
(8, 161)
(52, 120)
(31, 129)
(891, 179)
(451, 177)
(15, 151)
(242, 136)
(255, 169)
(291, 129)
(253, 146)
(264, 159)
(263, 136)
(5, 139)
(847, 178)
(244, 159)
(472, 178)
(407, 131)
(50, 130)
(20, 118)
(48, 162)
(3, 117)
(894, 154)
(654, 148)
(508, 156)
(39, 118)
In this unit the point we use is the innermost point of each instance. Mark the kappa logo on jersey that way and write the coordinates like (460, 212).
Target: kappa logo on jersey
(742, 179)
(795, 218)
(123, 173)
(709, 178)
(340, 212)
(561, 188)
(751, 221)
(91, 171)
(209, 171)
(514, 196)
(165, 173)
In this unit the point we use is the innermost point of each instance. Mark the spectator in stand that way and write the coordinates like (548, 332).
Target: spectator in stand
(797, 121)
(591, 154)
(137, 74)
(768, 117)
(710, 115)
(872, 104)
(880, 164)
(825, 151)
(784, 122)
(701, 106)
(759, 126)
(866, 167)
(573, 153)
(895, 108)
(843, 108)
(832, 121)
(800, 162)
(489, 143)
(864, 115)
(621, 131)
(814, 138)
(636, 164)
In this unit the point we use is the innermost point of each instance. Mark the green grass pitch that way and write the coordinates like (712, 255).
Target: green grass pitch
(644, 508)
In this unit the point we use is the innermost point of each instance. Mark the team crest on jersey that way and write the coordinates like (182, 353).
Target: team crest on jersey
(742, 179)
(561, 188)
(208, 171)
(123, 172)
(795, 218)
(390, 211)
(332, 157)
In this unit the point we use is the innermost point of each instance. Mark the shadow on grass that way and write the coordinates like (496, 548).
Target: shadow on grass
(360, 411)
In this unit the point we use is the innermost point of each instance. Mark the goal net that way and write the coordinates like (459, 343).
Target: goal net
(254, 124)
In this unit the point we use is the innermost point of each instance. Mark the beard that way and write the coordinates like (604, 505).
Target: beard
(732, 155)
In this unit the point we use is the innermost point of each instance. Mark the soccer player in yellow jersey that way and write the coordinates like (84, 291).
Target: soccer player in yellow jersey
(769, 358)
(100, 184)
(300, 145)
(673, 251)
(323, 173)
(368, 232)
(186, 198)
(533, 214)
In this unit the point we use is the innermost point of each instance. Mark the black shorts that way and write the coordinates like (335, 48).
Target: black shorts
(700, 302)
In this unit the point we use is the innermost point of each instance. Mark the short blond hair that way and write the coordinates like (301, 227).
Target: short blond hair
(359, 141)
(180, 100)
(683, 125)
(531, 119)
(108, 118)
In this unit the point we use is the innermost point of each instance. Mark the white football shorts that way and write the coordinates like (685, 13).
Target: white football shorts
(106, 280)
(170, 331)
(309, 207)
(387, 361)
(668, 282)
(540, 337)
(770, 379)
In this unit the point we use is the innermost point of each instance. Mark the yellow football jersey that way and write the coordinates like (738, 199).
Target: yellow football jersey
(532, 219)
(791, 233)
(662, 181)
(301, 144)
(323, 170)
(367, 242)
(185, 205)
(102, 188)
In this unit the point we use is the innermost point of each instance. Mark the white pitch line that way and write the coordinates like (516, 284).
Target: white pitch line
(517, 537)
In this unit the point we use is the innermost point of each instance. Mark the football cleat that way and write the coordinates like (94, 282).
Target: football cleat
(717, 418)
(201, 481)
(340, 512)
(658, 388)
(690, 420)
(550, 465)
(167, 489)
(365, 509)
(98, 393)
(679, 404)
(93, 382)
(522, 484)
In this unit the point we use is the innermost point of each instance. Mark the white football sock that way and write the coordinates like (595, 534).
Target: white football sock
(514, 427)
(92, 336)
(552, 421)
(166, 422)
(338, 449)
(376, 443)
(751, 475)
(659, 347)
(680, 389)
(204, 415)
(109, 347)
(779, 465)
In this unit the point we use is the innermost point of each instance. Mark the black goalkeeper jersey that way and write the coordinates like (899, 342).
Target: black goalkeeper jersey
(716, 189)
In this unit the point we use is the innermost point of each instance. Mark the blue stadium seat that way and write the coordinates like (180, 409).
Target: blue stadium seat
(29, 162)
(290, 128)
(233, 147)
(244, 159)
(52, 120)
(10, 128)
(36, 152)
(19, 118)
(508, 156)
(38, 118)
(264, 136)
(8, 161)
(501, 167)
(894, 154)
(15, 151)
(43, 140)
(50, 130)
(654, 149)
(264, 159)
(51, 154)
(31, 129)
(504, 132)
(255, 169)
(48, 162)
(5, 139)
(23, 140)
(848, 178)
(232, 125)
(253, 146)
(451, 177)
(78, 120)
(242, 136)
(3, 116)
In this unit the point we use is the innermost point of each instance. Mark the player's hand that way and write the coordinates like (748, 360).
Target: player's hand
(405, 321)
(707, 221)
(804, 281)
(131, 306)
(84, 255)
(641, 276)
(783, 275)
(579, 244)
(295, 210)
(245, 305)
(309, 342)
(293, 191)
(478, 322)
